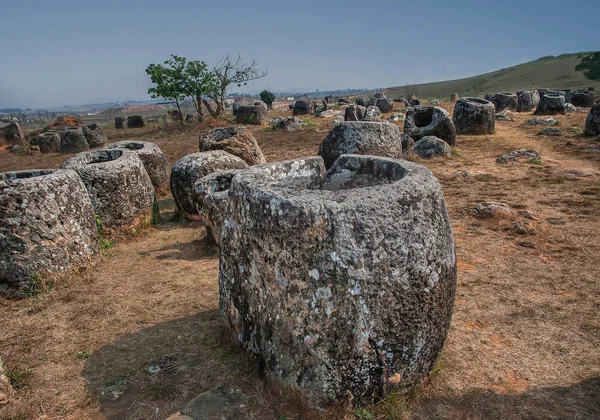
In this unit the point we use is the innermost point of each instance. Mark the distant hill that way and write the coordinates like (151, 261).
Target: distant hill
(546, 72)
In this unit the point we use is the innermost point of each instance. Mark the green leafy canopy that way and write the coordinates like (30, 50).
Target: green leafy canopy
(590, 66)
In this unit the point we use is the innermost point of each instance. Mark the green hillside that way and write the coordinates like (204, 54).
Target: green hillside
(546, 72)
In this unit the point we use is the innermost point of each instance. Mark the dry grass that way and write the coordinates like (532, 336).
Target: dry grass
(523, 340)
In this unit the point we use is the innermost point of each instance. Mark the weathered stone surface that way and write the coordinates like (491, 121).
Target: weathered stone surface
(47, 226)
(355, 113)
(519, 155)
(290, 124)
(550, 131)
(303, 108)
(135, 121)
(212, 199)
(551, 105)
(72, 140)
(434, 102)
(337, 120)
(329, 113)
(372, 113)
(424, 121)
(527, 100)
(222, 402)
(580, 98)
(431, 146)
(542, 121)
(119, 122)
(474, 116)
(17, 149)
(454, 97)
(12, 134)
(48, 142)
(592, 122)
(492, 209)
(397, 117)
(552, 92)
(237, 140)
(251, 114)
(341, 284)
(118, 185)
(190, 168)
(94, 136)
(362, 138)
(385, 105)
(5, 387)
(504, 116)
(414, 102)
(361, 102)
(155, 162)
(505, 100)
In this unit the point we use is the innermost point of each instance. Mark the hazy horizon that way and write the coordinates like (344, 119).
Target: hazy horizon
(68, 53)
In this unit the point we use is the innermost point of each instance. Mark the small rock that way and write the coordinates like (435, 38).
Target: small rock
(114, 392)
(551, 131)
(372, 113)
(519, 155)
(329, 113)
(18, 149)
(431, 146)
(504, 116)
(526, 244)
(468, 174)
(224, 402)
(490, 210)
(522, 228)
(542, 121)
(396, 117)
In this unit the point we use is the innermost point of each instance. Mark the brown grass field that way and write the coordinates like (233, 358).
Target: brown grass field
(524, 340)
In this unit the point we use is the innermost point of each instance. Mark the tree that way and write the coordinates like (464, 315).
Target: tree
(200, 83)
(234, 71)
(590, 66)
(268, 98)
(477, 85)
(169, 80)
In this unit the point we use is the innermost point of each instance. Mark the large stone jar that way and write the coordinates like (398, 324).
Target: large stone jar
(341, 283)
(47, 227)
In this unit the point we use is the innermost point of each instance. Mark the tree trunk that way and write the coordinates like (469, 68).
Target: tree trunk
(179, 109)
(221, 101)
(211, 111)
(198, 103)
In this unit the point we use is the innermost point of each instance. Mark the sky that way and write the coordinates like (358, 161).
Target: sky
(65, 52)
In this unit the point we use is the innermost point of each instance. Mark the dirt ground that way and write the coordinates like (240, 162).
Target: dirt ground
(525, 335)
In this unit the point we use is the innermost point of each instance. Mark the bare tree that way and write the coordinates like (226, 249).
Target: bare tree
(233, 70)
(477, 84)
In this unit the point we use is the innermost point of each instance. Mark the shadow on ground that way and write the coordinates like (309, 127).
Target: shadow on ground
(200, 249)
(579, 401)
(152, 373)
(155, 372)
